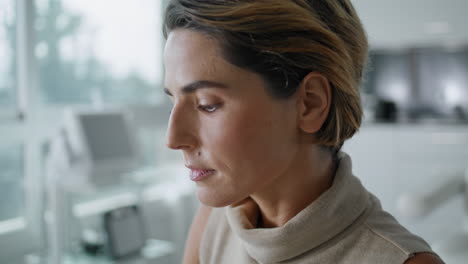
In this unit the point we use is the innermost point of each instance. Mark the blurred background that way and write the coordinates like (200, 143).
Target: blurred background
(412, 150)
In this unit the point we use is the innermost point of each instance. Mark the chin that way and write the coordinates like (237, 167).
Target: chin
(215, 199)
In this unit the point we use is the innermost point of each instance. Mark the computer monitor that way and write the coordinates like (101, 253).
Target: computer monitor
(102, 144)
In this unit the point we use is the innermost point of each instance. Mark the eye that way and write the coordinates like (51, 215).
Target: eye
(209, 108)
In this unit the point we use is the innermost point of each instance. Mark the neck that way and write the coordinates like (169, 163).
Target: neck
(308, 176)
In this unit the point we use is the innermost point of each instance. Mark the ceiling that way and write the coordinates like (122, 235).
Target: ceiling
(397, 24)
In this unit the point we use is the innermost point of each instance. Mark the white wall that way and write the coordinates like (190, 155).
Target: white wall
(394, 159)
(406, 23)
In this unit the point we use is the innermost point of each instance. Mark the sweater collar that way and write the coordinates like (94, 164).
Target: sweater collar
(329, 215)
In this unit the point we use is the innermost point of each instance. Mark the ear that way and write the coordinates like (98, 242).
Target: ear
(314, 100)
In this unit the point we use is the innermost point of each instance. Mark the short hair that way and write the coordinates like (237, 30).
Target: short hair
(283, 41)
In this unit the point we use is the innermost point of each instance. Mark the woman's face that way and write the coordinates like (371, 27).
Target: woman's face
(235, 137)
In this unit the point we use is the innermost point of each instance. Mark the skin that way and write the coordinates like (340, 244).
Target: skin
(261, 149)
(254, 143)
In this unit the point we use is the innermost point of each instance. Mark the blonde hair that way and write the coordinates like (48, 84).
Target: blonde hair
(284, 40)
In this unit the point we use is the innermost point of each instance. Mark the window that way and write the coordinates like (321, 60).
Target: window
(7, 54)
(85, 52)
(425, 83)
(99, 51)
(11, 182)
(390, 77)
(443, 75)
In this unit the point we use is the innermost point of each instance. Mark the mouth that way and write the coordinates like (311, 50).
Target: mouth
(199, 174)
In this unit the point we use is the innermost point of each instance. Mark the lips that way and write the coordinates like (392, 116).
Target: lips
(198, 174)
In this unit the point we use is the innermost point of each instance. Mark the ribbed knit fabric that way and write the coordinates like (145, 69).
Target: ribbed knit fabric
(346, 224)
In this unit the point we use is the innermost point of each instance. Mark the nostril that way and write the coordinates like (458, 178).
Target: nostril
(171, 145)
(177, 146)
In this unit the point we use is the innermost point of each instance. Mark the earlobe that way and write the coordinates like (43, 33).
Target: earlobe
(314, 102)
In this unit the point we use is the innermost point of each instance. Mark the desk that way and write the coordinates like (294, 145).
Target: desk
(155, 252)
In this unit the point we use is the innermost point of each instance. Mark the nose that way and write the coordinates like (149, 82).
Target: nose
(180, 131)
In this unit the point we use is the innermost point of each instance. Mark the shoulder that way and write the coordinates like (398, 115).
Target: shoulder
(388, 230)
(383, 233)
(424, 258)
(192, 244)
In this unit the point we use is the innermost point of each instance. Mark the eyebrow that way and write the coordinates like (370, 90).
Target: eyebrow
(190, 88)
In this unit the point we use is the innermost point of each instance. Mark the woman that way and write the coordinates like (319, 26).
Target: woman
(264, 94)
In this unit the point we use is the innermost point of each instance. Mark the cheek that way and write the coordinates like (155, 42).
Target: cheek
(248, 141)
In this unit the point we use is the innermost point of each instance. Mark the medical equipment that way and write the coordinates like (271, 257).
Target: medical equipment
(125, 231)
(85, 182)
(93, 150)
(454, 249)
(100, 146)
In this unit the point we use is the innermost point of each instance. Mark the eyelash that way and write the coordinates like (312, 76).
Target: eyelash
(206, 108)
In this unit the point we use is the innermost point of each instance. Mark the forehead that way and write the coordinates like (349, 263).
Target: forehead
(192, 56)
(189, 55)
(190, 47)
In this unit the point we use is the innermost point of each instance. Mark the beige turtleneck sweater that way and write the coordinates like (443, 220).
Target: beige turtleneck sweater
(346, 224)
